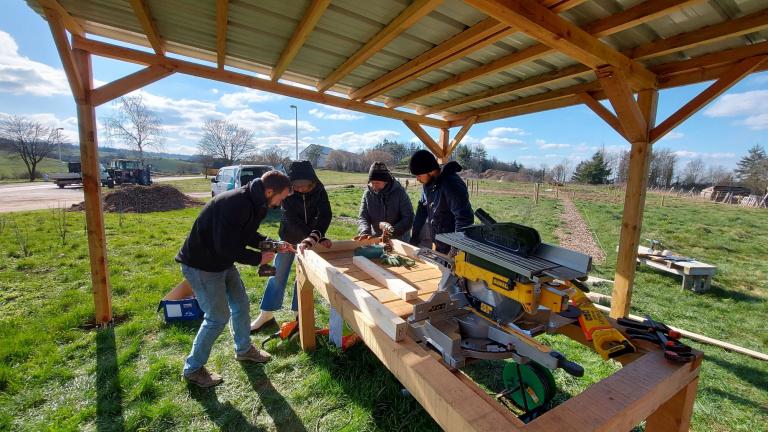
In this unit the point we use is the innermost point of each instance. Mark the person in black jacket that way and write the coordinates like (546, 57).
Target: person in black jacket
(384, 201)
(444, 205)
(224, 233)
(306, 217)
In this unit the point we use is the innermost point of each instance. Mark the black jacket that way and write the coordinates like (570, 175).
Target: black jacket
(304, 213)
(223, 230)
(390, 204)
(444, 205)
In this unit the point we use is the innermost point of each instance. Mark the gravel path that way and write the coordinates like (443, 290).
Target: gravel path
(575, 233)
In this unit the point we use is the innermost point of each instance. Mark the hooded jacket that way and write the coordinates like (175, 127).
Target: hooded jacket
(444, 205)
(390, 204)
(304, 213)
(226, 226)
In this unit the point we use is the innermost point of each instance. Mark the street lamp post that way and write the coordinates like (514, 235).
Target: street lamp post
(58, 141)
(296, 112)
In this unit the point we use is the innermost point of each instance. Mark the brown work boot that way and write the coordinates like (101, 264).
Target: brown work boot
(254, 355)
(203, 378)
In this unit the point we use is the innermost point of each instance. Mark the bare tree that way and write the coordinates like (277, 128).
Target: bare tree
(313, 153)
(135, 126)
(370, 156)
(226, 141)
(30, 139)
(562, 172)
(719, 176)
(345, 161)
(206, 160)
(694, 172)
(274, 156)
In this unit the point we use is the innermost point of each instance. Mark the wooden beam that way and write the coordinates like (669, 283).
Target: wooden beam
(700, 75)
(730, 28)
(602, 112)
(222, 20)
(460, 135)
(567, 91)
(67, 20)
(711, 60)
(634, 201)
(312, 15)
(619, 92)
(422, 135)
(644, 12)
(534, 81)
(306, 309)
(728, 80)
(413, 13)
(94, 216)
(554, 31)
(528, 108)
(401, 288)
(478, 36)
(65, 54)
(202, 71)
(443, 143)
(675, 414)
(129, 83)
(144, 15)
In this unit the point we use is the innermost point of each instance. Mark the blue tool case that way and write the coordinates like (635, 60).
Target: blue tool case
(185, 309)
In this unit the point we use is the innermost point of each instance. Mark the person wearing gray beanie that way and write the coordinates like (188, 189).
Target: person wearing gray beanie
(384, 200)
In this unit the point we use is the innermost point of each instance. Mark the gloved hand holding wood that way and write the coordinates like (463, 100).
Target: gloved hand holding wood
(314, 238)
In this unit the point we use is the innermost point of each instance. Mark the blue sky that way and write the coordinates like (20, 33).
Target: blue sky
(33, 84)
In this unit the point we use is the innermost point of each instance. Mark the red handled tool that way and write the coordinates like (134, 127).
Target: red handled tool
(660, 334)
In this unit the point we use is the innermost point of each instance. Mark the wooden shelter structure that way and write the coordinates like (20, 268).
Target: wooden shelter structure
(438, 63)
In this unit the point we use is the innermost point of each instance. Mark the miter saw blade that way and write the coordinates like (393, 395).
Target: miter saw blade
(498, 308)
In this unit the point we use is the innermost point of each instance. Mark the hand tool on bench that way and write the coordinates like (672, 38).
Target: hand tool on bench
(659, 334)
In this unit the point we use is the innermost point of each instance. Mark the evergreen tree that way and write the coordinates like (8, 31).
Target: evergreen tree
(593, 171)
(752, 170)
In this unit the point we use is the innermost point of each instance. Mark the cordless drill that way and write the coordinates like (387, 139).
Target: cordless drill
(268, 246)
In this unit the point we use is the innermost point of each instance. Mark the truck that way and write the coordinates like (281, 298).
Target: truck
(75, 176)
(130, 171)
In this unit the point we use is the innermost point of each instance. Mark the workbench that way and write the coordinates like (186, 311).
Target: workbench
(697, 276)
(647, 387)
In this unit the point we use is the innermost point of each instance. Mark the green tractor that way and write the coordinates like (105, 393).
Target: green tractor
(129, 171)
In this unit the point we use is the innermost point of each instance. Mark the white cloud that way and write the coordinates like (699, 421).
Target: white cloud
(352, 141)
(493, 141)
(687, 154)
(20, 75)
(336, 114)
(266, 123)
(751, 105)
(673, 136)
(69, 134)
(501, 131)
(244, 98)
(545, 145)
(215, 91)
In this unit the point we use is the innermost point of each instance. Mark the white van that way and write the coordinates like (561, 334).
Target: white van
(231, 177)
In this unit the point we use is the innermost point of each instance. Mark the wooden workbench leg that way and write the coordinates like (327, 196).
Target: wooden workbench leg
(335, 327)
(675, 414)
(306, 311)
(707, 283)
(686, 281)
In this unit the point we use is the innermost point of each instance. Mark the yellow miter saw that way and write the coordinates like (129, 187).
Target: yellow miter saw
(501, 287)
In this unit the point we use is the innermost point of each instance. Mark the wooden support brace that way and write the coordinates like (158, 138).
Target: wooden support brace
(602, 112)
(422, 135)
(68, 21)
(129, 83)
(443, 144)
(616, 86)
(222, 18)
(143, 14)
(460, 135)
(726, 81)
(65, 53)
(403, 289)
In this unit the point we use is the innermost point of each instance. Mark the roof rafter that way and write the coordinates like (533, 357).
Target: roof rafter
(711, 60)
(202, 71)
(308, 22)
(144, 15)
(222, 18)
(633, 16)
(67, 20)
(414, 12)
(554, 31)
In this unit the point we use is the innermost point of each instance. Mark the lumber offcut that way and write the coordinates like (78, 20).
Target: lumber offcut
(403, 289)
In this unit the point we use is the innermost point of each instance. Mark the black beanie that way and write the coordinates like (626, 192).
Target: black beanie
(422, 162)
(301, 170)
(379, 172)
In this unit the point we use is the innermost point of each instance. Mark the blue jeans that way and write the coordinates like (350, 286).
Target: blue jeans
(220, 295)
(275, 292)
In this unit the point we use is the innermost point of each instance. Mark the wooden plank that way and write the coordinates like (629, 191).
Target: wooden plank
(644, 12)
(719, 58)
(129, 83)
(398, 286)
(94, 216)
(312, 15)
(674, 415)
(422, 135)
(460, 135)
(602, 112)
(528, 108)
(478, 36)
(306, 310)
(222, 20)
(728, 80)
(554, 31)
(67, 20)
(727, 29)
(144, 15)
(409, 16)
(202, 71)
(534, 81)
(65, 54)
(617, 87)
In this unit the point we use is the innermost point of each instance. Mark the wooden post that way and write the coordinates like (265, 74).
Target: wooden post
(306, 309)
(662, 199)
(634, 202)
(536, 193)
(675, 414)
(94, 216)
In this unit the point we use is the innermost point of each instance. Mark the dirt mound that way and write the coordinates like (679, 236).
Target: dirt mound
(468, 173)
(144, 199)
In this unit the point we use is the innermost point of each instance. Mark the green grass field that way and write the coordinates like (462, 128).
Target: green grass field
(56, 373)
(12, 168)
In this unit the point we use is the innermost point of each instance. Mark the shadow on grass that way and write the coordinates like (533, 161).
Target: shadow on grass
(283, 416)
(109, 394)
(722, 293)
(746, 373)
(726, 396)
(224, 415)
